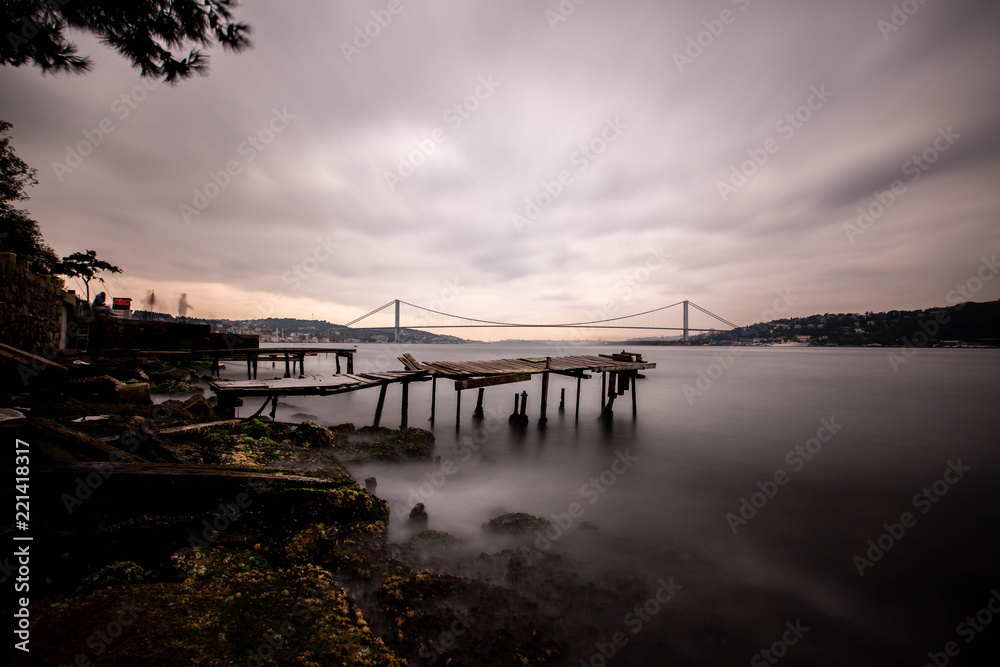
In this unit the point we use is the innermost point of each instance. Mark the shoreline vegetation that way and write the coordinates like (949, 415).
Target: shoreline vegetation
(163, 536)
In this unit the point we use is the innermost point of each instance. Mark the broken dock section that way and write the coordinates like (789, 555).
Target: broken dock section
(618, 374)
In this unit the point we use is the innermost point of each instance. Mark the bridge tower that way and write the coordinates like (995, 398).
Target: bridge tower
(396, 337)
(686, 320)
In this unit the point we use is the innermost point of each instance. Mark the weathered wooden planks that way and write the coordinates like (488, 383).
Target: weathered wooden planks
(491, 381)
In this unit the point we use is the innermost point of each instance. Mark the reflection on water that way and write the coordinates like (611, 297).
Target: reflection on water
(759, 494)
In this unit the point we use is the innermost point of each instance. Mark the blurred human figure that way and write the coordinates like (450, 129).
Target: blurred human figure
(183, 306)
(100, 306)
(148, 301)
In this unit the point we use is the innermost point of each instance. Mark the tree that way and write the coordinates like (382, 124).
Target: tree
(85, 266)
(143, 31)
(20, 234)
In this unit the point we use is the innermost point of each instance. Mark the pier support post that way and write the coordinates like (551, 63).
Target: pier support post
(578, 381)
(288, 373)
(542, 418)
(635, 409)
(562, 399)
(227, 405)
(604, 389)
(607, 412)
(404, 410)
(458, 408)
(478, 412)
(434, 392)
(381, 402)
(523, 417)
(337, 357)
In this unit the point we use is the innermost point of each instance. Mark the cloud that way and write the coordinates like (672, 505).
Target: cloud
(656, 184)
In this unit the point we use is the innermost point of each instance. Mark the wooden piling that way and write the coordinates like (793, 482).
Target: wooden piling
(458, 408)
(288, 373)
(578, 381)
(607, 411)
(562, 399)
(381, 402)
(478, 413)
(405, 408)
(604, 390)
(635, 409)
(542, 418)
(434, 388)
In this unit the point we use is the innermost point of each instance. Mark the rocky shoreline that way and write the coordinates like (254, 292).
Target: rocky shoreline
(165, 536)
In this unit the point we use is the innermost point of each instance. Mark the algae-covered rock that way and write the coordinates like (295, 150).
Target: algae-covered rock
(461, 621)
(516, 523)
(121, 573)
(210, 562)
(356, 549)
(297, 616)
(418, 514)
(311, 434)
(385, 444)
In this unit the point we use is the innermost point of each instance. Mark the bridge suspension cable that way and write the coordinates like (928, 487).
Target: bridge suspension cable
(606, 323)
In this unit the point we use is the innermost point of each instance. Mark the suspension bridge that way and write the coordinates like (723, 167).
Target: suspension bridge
(419, 317)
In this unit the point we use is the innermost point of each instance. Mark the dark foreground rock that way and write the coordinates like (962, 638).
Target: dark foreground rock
(226, 616)
(516, 523)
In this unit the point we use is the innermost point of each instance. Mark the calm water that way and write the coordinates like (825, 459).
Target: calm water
(692, 461)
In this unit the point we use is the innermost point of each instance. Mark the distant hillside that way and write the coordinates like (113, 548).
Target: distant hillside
(295, 330)
(967, 323)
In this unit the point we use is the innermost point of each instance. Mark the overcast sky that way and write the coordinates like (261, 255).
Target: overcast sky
(505, 161)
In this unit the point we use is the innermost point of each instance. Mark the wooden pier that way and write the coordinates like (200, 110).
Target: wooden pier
(618, 372)
(253, 355)
(232, 392)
